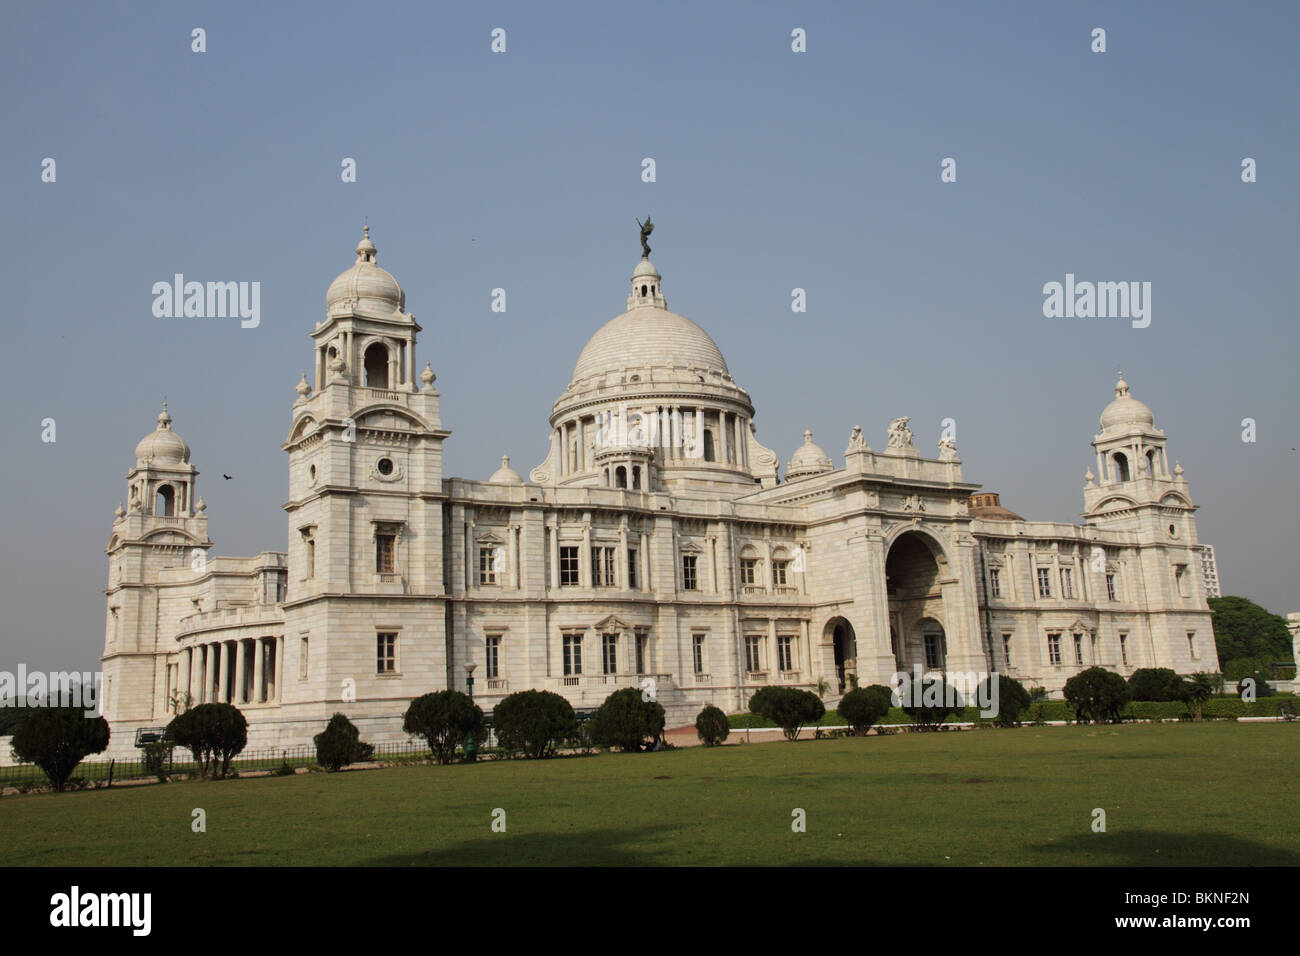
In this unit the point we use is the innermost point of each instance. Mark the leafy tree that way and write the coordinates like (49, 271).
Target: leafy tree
(340, 744)
(157, 755)
(1013, 699)
(57, 738)
(1197, 690)
(213, 733)
(930, 701)
(626, 721)
(445, 719)
(863, 707)
(791, 708)
(1097, 695)
(1156, 683)
(532, 721)
(1244, 629)
(758, 702)
(712, 726)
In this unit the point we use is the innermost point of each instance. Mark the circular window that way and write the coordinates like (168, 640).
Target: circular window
(385, 466)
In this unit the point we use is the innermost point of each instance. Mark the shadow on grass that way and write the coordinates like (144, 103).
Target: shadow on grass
(1159, 848)
(607, 847)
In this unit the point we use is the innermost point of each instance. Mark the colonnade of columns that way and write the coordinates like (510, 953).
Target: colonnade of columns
(663, 427)
(209, 666)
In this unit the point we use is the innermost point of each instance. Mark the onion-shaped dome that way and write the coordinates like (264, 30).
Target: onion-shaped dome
(162, 445)
(366, 284)
(808, 459)
(988, 505)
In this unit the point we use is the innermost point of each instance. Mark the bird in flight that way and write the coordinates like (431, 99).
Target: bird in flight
(227, 477)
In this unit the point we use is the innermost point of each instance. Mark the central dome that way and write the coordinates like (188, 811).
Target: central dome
(647, 335)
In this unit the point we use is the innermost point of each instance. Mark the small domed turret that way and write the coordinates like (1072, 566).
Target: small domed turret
(1125, 409)
(808, 459)
(365, 284)
(162, 445)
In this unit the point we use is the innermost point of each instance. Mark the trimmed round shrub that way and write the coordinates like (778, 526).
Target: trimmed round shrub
(1012, 700)
(532, 722)
(445, 719)
(213, 733)
(627, 721)
(57, 738)
(1097, 695)
(863, 707)
(1156, 683)
(929, 701)
(340, 744)
(789, 708)
(712, 726)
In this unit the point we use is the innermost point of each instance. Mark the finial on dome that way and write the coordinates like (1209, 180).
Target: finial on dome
(1121, 387)
(1090, 478)
(807, 436)
(119, 511)
(164, 420)
(427, 377)
(303, 388)
(505, 461)
(1178, 468)
(366, 251)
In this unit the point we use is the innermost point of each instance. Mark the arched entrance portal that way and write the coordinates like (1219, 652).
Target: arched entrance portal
(845, 643)
(914, 568)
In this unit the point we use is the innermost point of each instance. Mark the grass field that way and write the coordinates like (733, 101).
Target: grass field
(1174, 794)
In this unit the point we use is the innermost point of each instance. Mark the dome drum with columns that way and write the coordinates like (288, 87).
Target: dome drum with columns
(657, 539)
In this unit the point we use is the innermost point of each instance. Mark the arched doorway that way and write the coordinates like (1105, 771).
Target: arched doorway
(914, 567)
(845, 643)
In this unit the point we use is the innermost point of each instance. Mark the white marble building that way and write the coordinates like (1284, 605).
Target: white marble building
(656, 540)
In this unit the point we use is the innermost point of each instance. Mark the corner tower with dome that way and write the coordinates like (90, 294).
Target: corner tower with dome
(657, 545)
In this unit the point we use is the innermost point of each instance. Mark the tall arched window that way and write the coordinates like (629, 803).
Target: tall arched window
(376, 364)
(1121, 466)
(1151, 462)
(708, 446)
(165, 506)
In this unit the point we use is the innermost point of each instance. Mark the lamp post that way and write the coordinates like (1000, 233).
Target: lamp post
(471, 752)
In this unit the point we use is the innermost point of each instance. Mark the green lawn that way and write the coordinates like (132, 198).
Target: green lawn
(1179, 794)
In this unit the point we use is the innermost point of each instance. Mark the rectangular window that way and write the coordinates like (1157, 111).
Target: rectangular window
(1044, 582)
(568, 566)
(1123, 649)
(386, 655)
(689, 582)
(1191, 645)
(302, 659)
(572, 654)
(1078, 648)
(1006, 650)
(311, 557)
(492, 652)
(642, 645)
(385, 553)
(785, 652)
(753, 653)
(609, 653)
(995, 582)
(748, 571)
(1180, 579)
(1054, 649)
(779, 575)
(602, 567)
(933, 651)
(631, 568)
(1110, 586)
(487, 566)
(698, 650)
(1067, 583)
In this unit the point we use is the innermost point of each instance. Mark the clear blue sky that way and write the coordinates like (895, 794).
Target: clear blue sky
(522, 171)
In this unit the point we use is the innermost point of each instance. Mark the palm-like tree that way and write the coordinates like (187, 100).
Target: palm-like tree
(1199, 688)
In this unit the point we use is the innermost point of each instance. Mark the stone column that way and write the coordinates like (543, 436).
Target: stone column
(279, 669)
(723, 444)
(584, 557)
(773, 662)
(223, 675)
(471, 558)
(516, 532)
(190, 672)
(621, 562)
(238, 695)
(643, 558)
(259, 669)
(553, 531)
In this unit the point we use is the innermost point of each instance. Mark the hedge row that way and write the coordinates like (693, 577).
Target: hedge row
(1060, 710)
